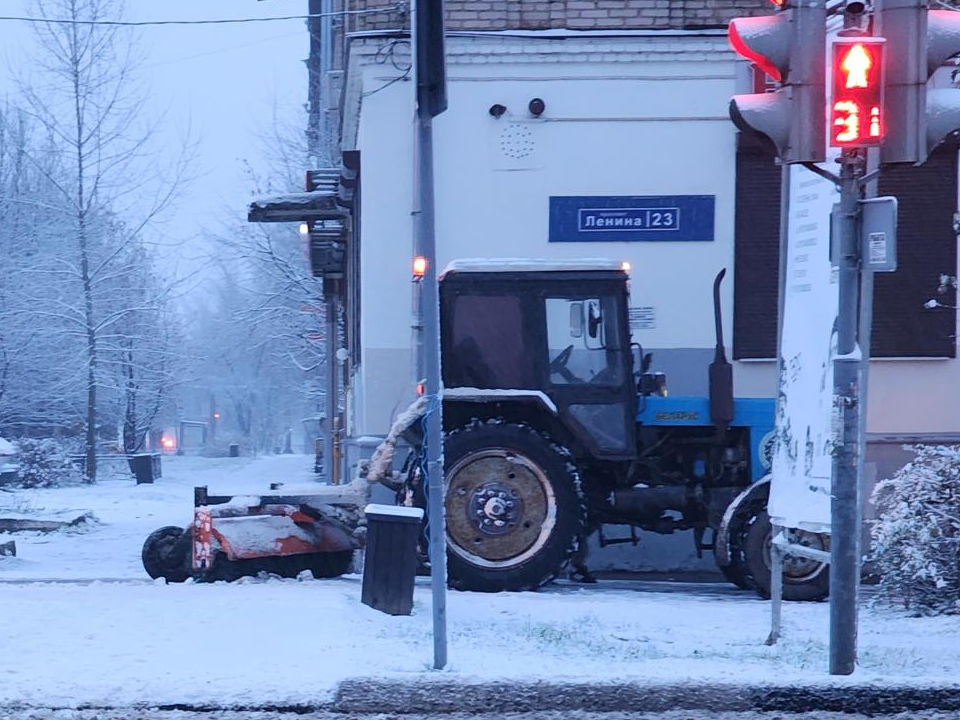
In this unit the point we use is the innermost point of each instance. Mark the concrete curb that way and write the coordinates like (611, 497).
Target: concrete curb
(429, 697)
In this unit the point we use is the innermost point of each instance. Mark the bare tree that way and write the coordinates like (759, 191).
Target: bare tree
(87, 98)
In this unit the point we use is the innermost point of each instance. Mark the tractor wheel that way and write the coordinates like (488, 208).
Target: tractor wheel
(166, 554)
(803, 579)
(513, 505)
(738, 572)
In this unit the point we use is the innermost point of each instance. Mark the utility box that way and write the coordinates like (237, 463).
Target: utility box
(390, 561)
(234, 450)
(145, 467)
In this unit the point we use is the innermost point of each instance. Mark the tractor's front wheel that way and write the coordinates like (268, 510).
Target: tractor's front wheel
(514, 514)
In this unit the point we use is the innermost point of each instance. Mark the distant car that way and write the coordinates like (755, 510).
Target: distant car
(9, 467)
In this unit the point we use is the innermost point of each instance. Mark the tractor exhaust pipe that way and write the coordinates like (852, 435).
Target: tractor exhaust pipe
(721, 371)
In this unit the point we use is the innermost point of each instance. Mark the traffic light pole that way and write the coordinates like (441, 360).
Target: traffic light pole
(425, 245)
(845, 511)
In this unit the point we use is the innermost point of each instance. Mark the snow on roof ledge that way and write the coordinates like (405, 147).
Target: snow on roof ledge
(476, 265)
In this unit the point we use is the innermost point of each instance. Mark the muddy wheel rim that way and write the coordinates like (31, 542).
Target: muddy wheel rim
(501, 508)
(798, 569)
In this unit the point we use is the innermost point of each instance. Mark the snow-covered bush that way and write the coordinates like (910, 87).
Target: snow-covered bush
(45, 463)
(916, 537)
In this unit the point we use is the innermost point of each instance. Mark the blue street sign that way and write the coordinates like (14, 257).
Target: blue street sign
(631, 218)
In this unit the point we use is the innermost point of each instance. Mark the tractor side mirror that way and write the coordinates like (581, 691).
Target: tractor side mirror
(594, 318)
(636, 355)
(576, 319)
(641, 360)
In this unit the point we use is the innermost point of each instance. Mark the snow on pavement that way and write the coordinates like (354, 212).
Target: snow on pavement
(288, 642)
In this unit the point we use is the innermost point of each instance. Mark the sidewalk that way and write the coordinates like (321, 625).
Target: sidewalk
(286, 643)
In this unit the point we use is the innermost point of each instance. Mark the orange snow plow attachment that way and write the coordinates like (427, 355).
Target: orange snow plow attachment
(236, 536)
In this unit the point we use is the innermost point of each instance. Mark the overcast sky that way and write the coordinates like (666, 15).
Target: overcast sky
(223, 82)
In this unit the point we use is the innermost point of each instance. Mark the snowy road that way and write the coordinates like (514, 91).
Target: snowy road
(127, 714)
(259, 641)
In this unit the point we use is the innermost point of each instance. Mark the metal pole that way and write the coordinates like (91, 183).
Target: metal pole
(331, 401)
(425, 242)
(327, 149)
(317, 151)
(866, 338)
(314, 62)
(776, 586)
(776, 554)
(845, 484)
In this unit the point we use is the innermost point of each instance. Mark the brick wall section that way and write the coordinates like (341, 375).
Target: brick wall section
(571, 14)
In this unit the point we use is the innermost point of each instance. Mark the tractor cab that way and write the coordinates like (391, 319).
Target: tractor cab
(554, 335)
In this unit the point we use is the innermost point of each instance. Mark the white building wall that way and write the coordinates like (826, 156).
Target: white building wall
(625, 116)
(635, 115)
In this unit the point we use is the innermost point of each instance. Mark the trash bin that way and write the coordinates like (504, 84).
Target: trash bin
(142, 466)
(390, 559)
(234, 450)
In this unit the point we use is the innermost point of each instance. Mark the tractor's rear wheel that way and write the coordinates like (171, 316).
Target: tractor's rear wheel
(803, 579)
(514, 514)
(166, 554)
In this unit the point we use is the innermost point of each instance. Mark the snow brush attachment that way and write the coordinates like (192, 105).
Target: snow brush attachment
(237, 536)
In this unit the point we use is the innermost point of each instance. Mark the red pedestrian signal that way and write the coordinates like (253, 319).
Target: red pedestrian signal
(857, 117)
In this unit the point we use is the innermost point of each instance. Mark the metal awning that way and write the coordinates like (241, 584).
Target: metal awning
(298, 207)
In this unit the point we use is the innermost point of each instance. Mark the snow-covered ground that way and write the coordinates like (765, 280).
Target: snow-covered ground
(124, 639)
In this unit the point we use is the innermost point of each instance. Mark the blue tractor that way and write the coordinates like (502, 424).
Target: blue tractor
(556, 429)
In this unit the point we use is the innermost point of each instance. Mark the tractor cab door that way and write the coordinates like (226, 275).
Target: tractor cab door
(589, 367)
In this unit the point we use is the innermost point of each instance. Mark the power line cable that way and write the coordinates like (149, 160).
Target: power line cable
(399, 7)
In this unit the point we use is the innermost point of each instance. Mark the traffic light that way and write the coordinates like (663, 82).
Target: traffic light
(857, 117)
(919, 41)
(790, 47)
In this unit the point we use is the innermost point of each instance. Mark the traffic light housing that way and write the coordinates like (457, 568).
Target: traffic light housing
(790, 47)
(919, 41)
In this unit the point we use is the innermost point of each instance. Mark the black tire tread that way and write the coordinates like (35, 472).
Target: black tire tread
(160, 564)
(738, 571)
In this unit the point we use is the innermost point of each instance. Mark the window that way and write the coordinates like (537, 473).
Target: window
(927, 248)
(756, 251)
(489, 346)
(583, 341)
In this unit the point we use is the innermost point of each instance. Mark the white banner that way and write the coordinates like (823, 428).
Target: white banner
(802, 461)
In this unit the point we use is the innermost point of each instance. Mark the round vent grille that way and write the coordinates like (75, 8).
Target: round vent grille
(516, 142)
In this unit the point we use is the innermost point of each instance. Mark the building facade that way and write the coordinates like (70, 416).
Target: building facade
(632, 103)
